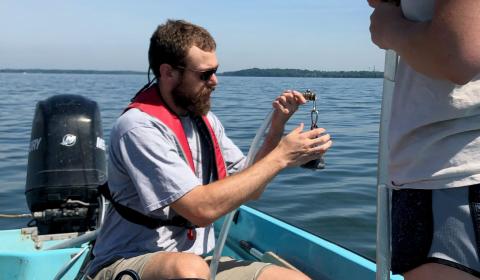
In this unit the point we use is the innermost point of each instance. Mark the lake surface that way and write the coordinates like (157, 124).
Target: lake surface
(337, 203)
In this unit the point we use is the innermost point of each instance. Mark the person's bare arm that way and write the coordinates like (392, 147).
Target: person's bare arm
(284, 107)
(447, 47)
(206, 203)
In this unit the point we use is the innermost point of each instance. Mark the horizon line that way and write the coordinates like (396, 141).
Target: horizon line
(57, 70)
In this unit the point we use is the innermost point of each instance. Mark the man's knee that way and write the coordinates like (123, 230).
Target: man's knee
(277, 272)
(176, 266)
(191, 266)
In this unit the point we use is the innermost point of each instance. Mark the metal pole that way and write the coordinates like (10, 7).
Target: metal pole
(383, 193)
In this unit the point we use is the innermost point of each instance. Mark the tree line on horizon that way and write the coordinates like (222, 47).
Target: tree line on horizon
(277, 72)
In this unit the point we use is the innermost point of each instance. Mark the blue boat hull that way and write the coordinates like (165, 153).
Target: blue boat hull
(19, 260)
(318, 258)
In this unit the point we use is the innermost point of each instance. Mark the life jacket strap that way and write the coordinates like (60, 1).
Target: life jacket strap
(138, 218)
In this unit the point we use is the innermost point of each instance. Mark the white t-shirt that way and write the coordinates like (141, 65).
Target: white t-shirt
(147, 173)
(434, 134)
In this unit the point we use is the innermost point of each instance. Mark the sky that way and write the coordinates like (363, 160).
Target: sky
(114, 34)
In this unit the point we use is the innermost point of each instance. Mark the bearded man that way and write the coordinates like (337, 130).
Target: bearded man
(173, 171)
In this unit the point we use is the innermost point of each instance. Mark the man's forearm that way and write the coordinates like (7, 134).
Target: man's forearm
(427, 52)
(218, 198)
(447, 47)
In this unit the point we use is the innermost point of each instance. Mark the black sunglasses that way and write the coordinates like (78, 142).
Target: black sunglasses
(205, 75)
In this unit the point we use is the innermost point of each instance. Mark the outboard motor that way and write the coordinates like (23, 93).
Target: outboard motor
(66, 164)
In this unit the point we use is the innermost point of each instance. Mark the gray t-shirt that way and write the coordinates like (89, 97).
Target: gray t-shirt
(147, 173)
(434, 135)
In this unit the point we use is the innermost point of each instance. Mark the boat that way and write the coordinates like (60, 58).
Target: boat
(59, 245)
(24, 254)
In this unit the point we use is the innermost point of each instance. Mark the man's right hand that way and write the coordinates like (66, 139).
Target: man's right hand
(206, 203)
(299, 147)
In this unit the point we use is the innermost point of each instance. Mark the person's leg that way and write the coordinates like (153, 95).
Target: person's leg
(231, 269)
(167, 265)
(273, 272)
(161, 265)
(435, 271)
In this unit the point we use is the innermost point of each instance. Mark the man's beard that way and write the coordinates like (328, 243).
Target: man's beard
(196, 103)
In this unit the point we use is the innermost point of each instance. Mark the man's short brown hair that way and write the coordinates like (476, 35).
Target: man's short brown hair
(171, 41)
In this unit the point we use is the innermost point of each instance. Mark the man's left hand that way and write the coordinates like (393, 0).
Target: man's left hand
(285, 105)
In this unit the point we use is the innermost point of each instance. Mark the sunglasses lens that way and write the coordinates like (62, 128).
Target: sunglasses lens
(207, 75)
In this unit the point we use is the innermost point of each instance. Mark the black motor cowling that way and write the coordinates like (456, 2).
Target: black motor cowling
(66, 164)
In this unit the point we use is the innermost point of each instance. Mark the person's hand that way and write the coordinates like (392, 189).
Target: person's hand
(384, 23)
(373, 3)
(285, 105)
(299, 147)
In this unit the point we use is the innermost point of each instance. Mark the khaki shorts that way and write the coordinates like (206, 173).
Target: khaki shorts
(228, 268)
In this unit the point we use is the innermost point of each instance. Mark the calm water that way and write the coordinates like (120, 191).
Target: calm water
(337, 203)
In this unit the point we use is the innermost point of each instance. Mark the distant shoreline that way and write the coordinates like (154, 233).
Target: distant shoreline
(252, 72)
(299, 73)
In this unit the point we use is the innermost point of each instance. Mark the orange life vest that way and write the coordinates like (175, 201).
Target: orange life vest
(150, 102)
